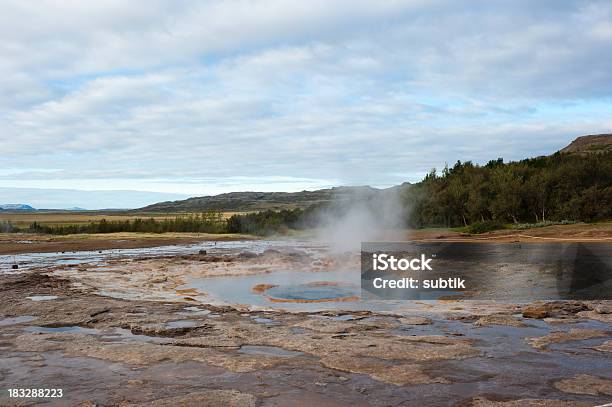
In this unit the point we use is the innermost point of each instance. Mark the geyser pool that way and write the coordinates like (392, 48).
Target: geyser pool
(312, 292)
(238, 290)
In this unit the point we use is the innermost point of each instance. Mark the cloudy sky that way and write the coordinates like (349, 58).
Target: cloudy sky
(183, 98)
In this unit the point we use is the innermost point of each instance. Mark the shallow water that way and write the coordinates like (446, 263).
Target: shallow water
(42, 297)
(17, 320)
(237, 290)
(27, 261)
(185, 323)
(193, 311)
(112, 334)
(264, 321)
(122, 334)
(62, 329)
(309, 292)
(274, 351)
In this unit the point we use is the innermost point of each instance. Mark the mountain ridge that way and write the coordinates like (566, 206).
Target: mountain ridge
(590, 144)
(17, 207)
(257, 201)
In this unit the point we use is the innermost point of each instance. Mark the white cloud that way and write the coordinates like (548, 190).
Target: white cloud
(344, 91)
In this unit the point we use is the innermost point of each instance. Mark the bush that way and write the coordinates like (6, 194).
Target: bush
(483, 227)
(522, 226)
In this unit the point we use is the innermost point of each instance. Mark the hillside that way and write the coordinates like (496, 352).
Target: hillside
(596, 143)
(256, 201)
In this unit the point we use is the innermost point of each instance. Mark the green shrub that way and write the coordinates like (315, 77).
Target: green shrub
(522, 226)
(483, 227)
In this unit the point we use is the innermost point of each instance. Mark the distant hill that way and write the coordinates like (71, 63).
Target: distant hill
(16, 207)
(257, 201)
(596, 143)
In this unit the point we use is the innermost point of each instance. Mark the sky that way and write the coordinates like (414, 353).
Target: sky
(190, 98)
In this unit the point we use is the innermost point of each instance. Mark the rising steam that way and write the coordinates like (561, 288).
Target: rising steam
(362, 215)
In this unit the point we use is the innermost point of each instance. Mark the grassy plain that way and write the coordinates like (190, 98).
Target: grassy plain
(11, 243)
(65, 218)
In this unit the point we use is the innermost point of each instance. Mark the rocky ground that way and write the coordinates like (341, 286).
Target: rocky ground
(173, 348)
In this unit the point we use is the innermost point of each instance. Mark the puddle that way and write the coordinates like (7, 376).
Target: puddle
(17, 320)
(345, 317)
(298, 330)
(186, 323)
(579, 347)
(69, 262)
(42, 297)
(61, 329)
(118, 334)
(268, 351)
(111, 334)
(510, 365)
(192, 311)
(196, 309)
(265, 321)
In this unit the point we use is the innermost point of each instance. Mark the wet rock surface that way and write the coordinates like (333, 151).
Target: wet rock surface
(585, 384)
(483, 402)
(499, 319)
(536, 311)
(604, 347)
(572, 335)
(212, 398)
(162, 346)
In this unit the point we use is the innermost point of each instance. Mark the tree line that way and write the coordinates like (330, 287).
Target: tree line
(271, 222)
(208, 222)
(550, 188)
(561, 188)
(556, 188)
